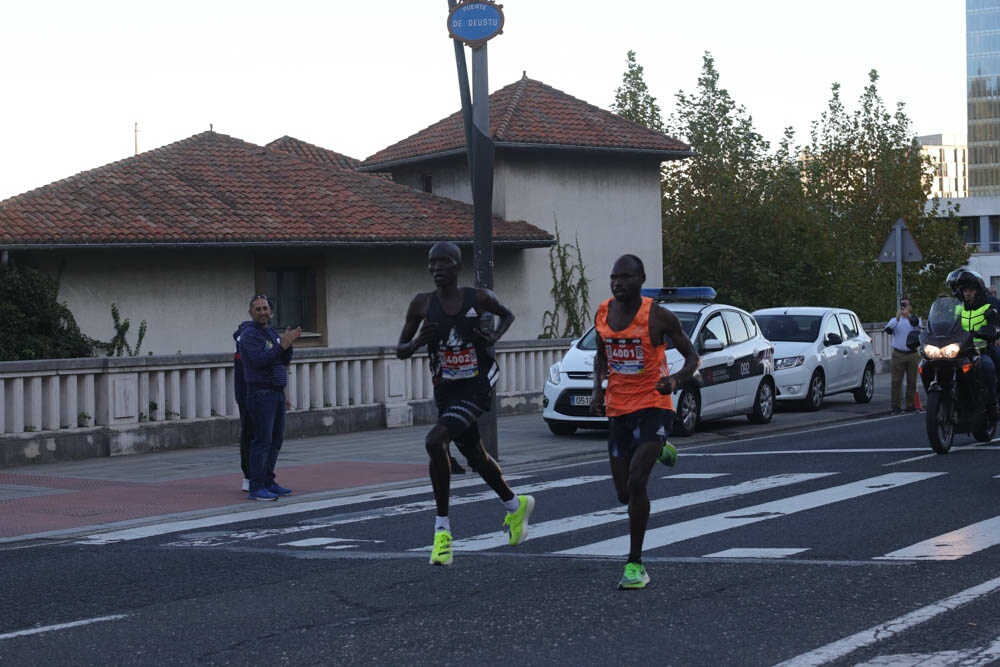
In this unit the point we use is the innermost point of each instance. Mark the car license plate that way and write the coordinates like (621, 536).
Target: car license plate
(580, 401)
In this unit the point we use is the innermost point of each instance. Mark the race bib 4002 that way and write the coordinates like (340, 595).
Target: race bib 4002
(624, 355)
(459, 363)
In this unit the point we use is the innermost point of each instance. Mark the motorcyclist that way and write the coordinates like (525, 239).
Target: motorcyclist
(980, 316)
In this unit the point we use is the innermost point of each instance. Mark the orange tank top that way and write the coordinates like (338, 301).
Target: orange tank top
(634, 364)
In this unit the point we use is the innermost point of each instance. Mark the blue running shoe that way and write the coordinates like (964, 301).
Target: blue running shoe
(263, 494)
(279, 490)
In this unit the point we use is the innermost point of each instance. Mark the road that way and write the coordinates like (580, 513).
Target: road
(844, 544)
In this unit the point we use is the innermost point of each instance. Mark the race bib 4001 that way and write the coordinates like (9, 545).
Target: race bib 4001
(624, 355)
(459, 363)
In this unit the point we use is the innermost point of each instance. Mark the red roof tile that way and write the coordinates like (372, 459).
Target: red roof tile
(530, 113)
(308, 151)
(214, 189)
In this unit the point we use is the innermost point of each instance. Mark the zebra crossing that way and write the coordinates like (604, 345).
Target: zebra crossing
(372, 522)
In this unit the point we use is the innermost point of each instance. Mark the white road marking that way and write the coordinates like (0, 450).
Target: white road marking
(62, 626)
(687, 530)
(776, 452)
(750, 552)
(847, 645)
(215, 540)
(272, 509)
(954, 545)
(934, 455)
(581, 521)
(973, 657)
(696, 475)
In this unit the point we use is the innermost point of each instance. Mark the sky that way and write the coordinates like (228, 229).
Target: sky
(357, 76)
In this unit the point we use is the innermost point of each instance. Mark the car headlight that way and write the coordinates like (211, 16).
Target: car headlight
(788, 362)
(554, 375)
(946, 352)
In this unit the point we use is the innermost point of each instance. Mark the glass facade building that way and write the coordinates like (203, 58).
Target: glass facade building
(982, 35)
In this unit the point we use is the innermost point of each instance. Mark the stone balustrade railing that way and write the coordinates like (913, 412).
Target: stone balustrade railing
(80, 393)
(76, 408)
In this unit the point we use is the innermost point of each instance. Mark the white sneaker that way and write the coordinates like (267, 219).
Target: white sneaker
(246, 484)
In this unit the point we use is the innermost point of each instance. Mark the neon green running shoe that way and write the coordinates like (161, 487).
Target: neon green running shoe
(635, 577)
(668, 455)
(441, 554)
(517, 522)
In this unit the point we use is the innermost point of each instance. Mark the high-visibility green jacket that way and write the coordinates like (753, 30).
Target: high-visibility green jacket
(973, 319)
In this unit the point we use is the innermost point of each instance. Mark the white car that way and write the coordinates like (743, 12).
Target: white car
(735, 376)
(818, 352)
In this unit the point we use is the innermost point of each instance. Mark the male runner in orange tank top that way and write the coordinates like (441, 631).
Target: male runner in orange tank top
(632, 333)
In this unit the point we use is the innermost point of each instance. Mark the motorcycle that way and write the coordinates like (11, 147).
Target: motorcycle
(952, 375)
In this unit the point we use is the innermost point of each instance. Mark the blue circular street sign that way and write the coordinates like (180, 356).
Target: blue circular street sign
(475, 22)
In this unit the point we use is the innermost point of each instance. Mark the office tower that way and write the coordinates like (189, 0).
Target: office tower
(982, 35)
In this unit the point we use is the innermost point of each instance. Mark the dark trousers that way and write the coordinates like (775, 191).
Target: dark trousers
(246, 437)
(989, 361)
(267, 413)
(904, 363)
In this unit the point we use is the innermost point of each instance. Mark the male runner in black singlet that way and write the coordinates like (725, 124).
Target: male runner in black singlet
(464, 374)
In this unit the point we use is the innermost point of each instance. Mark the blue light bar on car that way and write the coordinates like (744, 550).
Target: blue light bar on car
(694, 294)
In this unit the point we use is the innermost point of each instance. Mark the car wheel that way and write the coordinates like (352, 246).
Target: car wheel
(763, 404)
(864, 393)
(561, 428)
(814, 394)
(688, 412)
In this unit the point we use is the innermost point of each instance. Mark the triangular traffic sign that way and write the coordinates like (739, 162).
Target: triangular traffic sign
(910, 251)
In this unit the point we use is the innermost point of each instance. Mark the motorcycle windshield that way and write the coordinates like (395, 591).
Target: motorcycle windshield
(944, 322)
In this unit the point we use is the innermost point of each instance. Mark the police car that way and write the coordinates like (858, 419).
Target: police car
(736, 376)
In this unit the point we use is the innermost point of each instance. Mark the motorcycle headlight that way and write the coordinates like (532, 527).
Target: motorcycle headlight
(554, 374)
(788, 362)
(947, 352)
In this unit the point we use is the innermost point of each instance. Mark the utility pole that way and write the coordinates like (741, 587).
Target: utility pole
(473, 23)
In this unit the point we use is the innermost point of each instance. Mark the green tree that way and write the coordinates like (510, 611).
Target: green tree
(734, 215)
(632, 98)
(863, 171)
(33, 324)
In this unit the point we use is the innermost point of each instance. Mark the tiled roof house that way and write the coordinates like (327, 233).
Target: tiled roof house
(562, 164)
(181, 236)
(530, 115)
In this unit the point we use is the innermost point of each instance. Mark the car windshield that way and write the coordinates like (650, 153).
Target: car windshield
(589, 340)
(790, 328)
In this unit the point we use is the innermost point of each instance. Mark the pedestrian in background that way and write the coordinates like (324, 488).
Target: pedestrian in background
(905, 359)
(240, 393)
(265, 357)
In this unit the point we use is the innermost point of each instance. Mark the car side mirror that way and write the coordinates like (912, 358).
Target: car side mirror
(712, 345)
(833, 339)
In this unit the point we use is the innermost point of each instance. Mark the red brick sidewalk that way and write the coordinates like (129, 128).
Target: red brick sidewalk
(43, 503)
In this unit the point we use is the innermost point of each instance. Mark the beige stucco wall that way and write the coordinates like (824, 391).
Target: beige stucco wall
(611, 206)
(191, 300)
(368, 292)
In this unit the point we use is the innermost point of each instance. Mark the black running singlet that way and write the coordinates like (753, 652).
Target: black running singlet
(457, 355)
